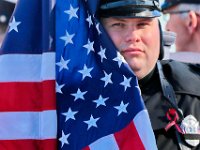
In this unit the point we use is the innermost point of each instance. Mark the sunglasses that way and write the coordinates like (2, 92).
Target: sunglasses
(166, 15)
(177, 12)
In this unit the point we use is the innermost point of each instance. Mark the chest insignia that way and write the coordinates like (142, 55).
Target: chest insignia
(190, 126)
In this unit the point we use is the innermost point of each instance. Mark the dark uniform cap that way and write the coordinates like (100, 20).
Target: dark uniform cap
(6, 10)
(170, 3)
(130, 8)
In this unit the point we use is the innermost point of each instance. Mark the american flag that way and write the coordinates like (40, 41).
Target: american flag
(98, 98)
(99, 104)
(28, 118)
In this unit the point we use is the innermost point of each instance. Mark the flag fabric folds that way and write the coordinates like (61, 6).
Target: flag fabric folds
(27, 80)
(99, 105)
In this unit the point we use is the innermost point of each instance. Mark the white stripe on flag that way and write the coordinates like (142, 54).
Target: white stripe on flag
(28, 125)
(143, 126)
(27, 67)
(105, 143)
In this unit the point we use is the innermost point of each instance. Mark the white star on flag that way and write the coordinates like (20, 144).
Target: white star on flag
(89, 20)
(98, 30)
(79, 95)
(64, 139)
(107, 79)
(67, 38)
(62, 64)
(70, 114)
(122, 108)
(120, 59)
(101, 101)
(72, 12)
(91, 122)
(89, 46)
(13, 25)
(102, 53)
(86, 72)
(126, 83)
(59, 87)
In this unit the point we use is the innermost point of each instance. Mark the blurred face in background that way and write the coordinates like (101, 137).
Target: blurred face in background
(181, 22)
(138, 41)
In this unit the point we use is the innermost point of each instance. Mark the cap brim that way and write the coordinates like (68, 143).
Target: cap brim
(131, 14)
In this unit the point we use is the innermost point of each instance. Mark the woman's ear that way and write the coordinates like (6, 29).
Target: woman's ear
(192, 22)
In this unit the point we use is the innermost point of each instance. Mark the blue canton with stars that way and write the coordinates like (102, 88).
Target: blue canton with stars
(29, 35)
(97, 93)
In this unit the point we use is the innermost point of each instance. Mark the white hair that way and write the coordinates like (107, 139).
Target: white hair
(189, 7)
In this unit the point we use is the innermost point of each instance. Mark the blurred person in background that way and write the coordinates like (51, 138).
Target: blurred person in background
(169, 39)
(6, 9)
(184, 20)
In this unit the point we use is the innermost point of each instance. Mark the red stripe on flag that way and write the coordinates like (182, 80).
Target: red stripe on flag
(128, 138)
(50, 144)
(86, 148)
(27, 96)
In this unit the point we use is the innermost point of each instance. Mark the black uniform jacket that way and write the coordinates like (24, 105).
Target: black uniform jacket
(185, 80)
